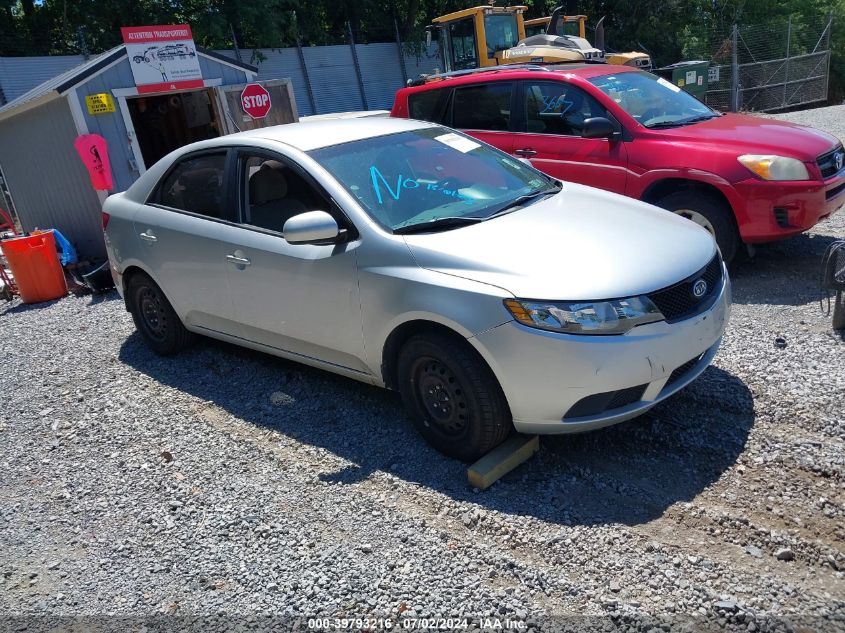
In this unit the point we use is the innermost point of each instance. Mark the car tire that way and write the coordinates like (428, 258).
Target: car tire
(707, 211)
(839, 311)
(155, 319)
(453, 397)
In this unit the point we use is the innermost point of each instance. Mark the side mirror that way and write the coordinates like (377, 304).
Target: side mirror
(427, 38)
(310, 227)
(597, 127)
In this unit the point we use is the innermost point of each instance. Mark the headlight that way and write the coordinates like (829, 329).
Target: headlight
(775, 167)
(585, 317)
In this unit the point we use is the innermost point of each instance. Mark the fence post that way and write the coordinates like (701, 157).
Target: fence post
(734, 71)
(788, 43)
(829, 54)
(306, 76)
(357, 66)
(401, 53)
(303, 66)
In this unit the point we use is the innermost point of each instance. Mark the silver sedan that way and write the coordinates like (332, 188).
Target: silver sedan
(410, 256)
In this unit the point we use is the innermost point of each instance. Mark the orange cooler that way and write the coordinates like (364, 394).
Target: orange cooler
(35, 266)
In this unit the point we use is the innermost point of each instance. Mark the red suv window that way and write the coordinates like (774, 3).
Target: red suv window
(483, 106)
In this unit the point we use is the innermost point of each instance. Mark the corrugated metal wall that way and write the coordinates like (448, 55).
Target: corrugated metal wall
(21, 74)
(48, 182)
(331, 70)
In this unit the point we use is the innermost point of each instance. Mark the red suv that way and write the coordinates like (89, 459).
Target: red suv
(745, 179)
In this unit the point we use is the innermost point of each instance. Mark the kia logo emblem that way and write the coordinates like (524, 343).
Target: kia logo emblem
(839, 157)
(699, 288)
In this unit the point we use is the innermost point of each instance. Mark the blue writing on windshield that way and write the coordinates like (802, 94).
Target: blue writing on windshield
(403, 184)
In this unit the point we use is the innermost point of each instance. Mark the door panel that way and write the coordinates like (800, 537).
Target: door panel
(550, 136)
(186, 256)
(298, 298)
(183, 238)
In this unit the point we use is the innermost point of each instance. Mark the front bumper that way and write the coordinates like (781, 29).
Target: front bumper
(545, 374)
(775, 210)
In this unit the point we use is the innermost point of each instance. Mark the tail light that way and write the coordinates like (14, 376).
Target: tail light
(106, 218)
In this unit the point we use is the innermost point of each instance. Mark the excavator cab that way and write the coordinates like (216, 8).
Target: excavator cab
(472, 38)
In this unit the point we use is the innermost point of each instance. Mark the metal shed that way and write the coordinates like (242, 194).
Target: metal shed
(40, 171)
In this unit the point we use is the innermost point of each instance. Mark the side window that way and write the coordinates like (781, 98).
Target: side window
(462, 38)
(197, 185)
(556, 107)
(482, 107)
(426, 105)
(274, 192)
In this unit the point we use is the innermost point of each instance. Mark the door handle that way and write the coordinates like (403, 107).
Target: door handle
(237, 260)
(525, 152)
(148, 237)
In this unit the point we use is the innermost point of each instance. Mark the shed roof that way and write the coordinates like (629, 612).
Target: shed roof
(19, 75)
(59, 85)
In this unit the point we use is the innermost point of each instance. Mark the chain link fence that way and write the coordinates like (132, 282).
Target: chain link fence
(770, 67)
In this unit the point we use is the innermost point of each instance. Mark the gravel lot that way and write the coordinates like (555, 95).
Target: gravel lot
(231, 485)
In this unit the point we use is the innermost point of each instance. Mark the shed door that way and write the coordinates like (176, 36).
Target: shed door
(282, 109)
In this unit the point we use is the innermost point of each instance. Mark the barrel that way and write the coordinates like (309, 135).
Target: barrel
(35, 267)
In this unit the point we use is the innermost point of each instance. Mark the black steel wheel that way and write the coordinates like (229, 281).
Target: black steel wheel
(154, 317)
(452, 396)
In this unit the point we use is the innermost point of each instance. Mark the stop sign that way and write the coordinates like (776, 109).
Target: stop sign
(255, 100)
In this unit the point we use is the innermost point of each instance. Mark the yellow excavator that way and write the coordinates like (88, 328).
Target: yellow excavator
(491, 36)
(560, 25)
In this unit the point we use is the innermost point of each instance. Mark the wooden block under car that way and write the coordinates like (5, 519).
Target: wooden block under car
(501, 460)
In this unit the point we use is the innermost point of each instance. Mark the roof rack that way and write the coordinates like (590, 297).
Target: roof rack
(422, 79)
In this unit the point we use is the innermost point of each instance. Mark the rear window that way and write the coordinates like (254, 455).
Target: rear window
(425, 105)
(196, 185)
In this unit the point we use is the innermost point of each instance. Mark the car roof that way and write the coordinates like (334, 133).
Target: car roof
(501, 73)
(315, 134)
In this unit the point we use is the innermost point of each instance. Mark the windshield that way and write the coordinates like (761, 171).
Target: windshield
(501, 32)
(653, 101)
(425, 175)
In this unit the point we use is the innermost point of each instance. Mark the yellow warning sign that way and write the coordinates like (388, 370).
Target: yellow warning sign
(100, 103)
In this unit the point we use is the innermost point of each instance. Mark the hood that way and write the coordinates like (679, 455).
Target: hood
(580, 244)
(758, 135)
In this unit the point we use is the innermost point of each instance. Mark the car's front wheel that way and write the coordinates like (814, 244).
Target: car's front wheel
(155, 319)
(452, 396)
(711, 214)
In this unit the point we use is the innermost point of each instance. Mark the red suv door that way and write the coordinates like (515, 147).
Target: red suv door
(548, 132)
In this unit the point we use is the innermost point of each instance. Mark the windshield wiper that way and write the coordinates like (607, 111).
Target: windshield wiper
(437, 223)
(681, 122)
(514, 204)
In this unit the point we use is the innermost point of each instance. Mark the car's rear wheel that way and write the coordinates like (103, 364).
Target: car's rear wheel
(155, 319)
(452, 396)
(708, 212)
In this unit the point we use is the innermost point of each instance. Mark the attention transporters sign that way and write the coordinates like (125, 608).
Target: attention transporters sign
(162, 57)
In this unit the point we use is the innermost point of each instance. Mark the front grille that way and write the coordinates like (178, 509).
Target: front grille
(681, 371)
(607, 401)
(678, 302)
(782, 217)
(827, 162)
